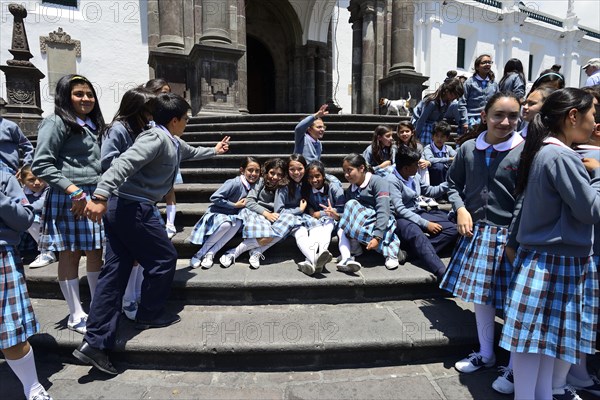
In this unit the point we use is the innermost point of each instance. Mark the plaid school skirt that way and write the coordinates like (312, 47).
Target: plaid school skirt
(208, 224)
(18, 320)
(288, 223)
(358, 222)
(61, 231)
(255, 225)
(478, 272)
(426, 134)
(384, 171)
(551, 306)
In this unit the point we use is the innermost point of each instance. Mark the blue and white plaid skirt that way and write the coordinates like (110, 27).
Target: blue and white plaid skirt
(255, 225)
(384, 171)
(208, 224)
(18, 320)
(358, 222)
(288, 223)
(426, 134)
(478, 272)
(551, 306)
(61, 231)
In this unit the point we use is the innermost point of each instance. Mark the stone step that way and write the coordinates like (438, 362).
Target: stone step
(292, 118)
(279, 337)
(278, 280)
(219, 175)
(234, 160)
(283, 147)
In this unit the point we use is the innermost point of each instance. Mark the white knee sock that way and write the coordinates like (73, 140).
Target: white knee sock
(307, 247)
(247, 244)
(217, 240)
(484, 315)
(138, 283)
(70, 291)
(322, 235)
(129, 295)
(344, 245)
(533, 376)
(92, 278)
(25, 370)
(171, 210)
(560, 372)
(543, 386)
(579, 370)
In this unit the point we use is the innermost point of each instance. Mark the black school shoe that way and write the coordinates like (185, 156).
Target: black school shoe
(165, 319)
(95, 357)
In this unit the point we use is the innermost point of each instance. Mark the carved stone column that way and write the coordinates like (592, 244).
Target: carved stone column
(215, 21)
(243, 64)
(356, 65)
(170, 21)
(403, 15)
(22, 78)
(368, 58)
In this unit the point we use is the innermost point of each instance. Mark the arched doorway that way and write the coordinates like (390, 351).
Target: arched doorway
(261, 78)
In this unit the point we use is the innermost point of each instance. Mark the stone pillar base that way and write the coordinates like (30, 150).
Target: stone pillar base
(23, 92)
(398, 85)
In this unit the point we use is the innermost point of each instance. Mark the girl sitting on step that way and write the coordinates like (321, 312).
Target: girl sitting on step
(222, 220)
(259, 216)
(367, 215)
(407, 137)
(482, 182)
(381, 153)
(325, 203)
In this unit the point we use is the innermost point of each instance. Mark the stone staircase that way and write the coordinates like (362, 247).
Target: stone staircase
(275, 317)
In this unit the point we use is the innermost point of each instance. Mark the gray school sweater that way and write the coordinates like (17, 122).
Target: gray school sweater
(374, 194)
(12, 140)
(560, 204)
(404, 199)
(63, 158)
(487, 193)
(593, 152)
(115, 142)
(475, 97)
(16, 216)
(146, 171)
(224, 199)
(303, 143)
(259, 199)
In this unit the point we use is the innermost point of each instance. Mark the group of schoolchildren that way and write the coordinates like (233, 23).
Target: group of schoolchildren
(525, 202)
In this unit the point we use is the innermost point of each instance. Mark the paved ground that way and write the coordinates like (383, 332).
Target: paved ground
(427, 381)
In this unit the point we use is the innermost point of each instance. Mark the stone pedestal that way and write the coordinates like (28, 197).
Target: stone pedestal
(213, 79)
(398, 85)
(22, 79)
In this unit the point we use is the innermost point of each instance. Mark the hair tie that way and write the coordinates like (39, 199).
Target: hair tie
(549, 74)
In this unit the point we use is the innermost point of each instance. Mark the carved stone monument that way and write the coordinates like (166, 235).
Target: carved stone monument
(22, 78)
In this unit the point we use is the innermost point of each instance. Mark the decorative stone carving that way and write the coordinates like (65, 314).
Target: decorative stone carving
(59, 37)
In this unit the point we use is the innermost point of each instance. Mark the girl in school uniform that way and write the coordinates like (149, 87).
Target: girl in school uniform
(478, 89)
(68, 158)
(532, 106)
(552, 302)
(367, 215)
(18, 321)
(381, 153)
(132, 118)
(259, 215)
(222, 220)
(513, 80)
(407, 137)
(433, 108)
(481, 183)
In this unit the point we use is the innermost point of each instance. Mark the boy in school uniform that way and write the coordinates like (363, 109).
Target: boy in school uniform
(413, 222)
(12, 140)
(128, 192)
(439, 154)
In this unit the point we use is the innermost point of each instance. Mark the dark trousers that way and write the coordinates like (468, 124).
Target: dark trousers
(423, 248)
(133, 232)
(438, 173)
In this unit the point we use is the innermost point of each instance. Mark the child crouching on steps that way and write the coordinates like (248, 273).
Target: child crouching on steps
(259, 216)
(18, 321)
(222, 219)
(367, 215)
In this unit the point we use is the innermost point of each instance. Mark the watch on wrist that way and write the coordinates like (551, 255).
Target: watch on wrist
(96, 198)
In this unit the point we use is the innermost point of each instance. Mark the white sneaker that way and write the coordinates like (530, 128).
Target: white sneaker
(566, 392)
(42, 395)
(591, 385)
(130, 309)
(322, 259)
(207, 261)
(255, 257)
(431, 202)
(43, 259)
(227, 260)
(505, 383)
(195, 262)
(391, 263)
(306, 267)
(421, 202)
(474, 362)
(349, 266)
(171, 230)
(77, 326)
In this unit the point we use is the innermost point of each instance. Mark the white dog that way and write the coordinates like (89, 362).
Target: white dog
(394, 106)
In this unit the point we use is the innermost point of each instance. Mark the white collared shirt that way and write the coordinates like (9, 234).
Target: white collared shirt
(368, 176)
(509, 144)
